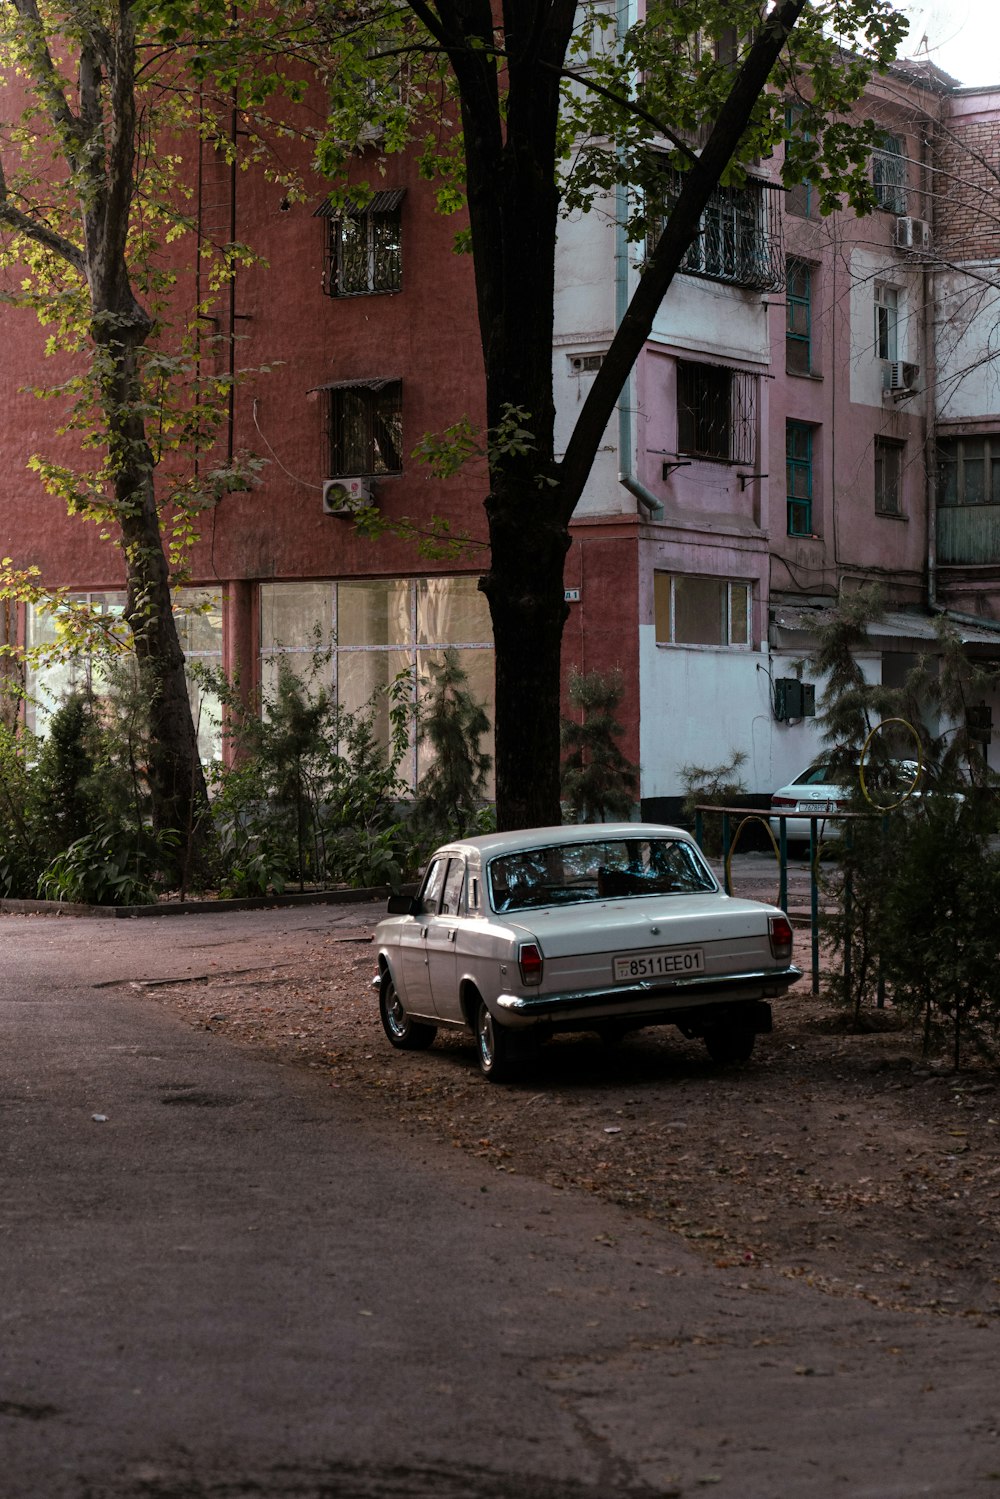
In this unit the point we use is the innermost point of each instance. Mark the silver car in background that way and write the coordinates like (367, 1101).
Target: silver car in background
(606, 927)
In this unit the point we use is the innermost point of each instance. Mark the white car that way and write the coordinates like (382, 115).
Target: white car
(815, 790)
(606, 927)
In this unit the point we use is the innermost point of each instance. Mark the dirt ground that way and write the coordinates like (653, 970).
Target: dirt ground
(844, 1159)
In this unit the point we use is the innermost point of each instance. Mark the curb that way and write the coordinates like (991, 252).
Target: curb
(194, 907)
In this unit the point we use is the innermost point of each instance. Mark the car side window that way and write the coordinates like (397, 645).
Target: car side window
(452, 903)
(430, 895)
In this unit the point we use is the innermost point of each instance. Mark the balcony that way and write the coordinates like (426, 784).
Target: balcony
(968, 535)
(739, 238)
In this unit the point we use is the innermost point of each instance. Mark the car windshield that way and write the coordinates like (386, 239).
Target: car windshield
(568, 874)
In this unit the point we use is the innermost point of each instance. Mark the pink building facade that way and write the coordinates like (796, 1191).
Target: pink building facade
(802, 421)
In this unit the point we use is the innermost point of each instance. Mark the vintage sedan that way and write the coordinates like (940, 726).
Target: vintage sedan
(608, 927)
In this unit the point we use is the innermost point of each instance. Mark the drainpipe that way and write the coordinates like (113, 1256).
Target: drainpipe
(930, 386)
(626, 477)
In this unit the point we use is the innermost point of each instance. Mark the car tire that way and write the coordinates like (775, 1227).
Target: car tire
(498, 1051)
(403, 1032)
(734, 1044)
(612, 1032)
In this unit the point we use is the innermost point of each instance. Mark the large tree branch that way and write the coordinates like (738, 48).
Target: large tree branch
(629, 106)
(46, 81)
(700, 181)
(34, 229)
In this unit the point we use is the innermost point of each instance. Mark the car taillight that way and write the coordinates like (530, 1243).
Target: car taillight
(783, 801)
(779, 929)
(529, 961)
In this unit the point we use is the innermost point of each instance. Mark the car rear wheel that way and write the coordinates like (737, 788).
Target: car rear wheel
(498, 1051)
(404, 1033)
(735, 1044)
(612, 1032)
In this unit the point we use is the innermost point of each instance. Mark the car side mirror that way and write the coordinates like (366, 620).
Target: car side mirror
(401, 905)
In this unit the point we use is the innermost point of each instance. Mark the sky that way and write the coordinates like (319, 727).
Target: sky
(963, 37)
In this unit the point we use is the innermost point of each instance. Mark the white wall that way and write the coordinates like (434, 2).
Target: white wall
(868, 267)
(699, 704)
(710, 318)
(967, 325)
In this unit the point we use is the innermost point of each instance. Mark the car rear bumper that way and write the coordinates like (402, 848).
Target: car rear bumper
(645, 1001)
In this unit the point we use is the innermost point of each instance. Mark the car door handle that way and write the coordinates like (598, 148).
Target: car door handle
(451, 935)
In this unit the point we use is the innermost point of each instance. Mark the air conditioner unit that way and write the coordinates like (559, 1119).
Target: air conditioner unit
(901, 378)
(912, 234)
(346, 496)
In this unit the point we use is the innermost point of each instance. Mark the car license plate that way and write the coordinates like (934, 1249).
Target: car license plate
(674, 963)
(815, 807)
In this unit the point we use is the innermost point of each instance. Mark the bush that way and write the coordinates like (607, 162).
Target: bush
(598, 782)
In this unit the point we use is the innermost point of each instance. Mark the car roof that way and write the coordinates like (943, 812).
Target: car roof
(488, 845)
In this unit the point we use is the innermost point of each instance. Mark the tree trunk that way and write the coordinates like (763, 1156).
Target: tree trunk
(177, 786)
(525, 591)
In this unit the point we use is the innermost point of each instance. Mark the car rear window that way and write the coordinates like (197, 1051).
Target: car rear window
(566, 874)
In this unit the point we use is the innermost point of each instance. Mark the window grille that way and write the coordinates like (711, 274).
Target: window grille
(739, 236)
(366, 428)
(716, 412)
(364, 247)
(889, 174)
(888, 477)
(799, 478)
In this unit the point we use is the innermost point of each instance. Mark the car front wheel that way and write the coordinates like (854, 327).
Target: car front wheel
(404, 1033)
(497, 1048)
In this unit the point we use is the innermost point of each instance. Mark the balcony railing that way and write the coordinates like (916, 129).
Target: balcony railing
(739, 238)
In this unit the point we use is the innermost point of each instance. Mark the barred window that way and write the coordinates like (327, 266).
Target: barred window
(364, 247)
(716, 412)
(366, 428)
(889, 174)
(739, 236)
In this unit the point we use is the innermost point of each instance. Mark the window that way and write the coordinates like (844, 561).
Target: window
(366, 428)
(739, 235)
(886, 321)
(716, 412)
(692, 610)
(969, 470)
(799, 196)
(799, 478)
(889, 174)
(364, 247)
(888, 477)
(359, 638)
(798, 316)
(198, 616)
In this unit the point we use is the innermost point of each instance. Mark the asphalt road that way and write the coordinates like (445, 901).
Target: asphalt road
(235, 1283)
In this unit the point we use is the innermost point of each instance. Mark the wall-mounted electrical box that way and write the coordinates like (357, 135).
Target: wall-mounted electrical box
(979, 722)
(793, 699)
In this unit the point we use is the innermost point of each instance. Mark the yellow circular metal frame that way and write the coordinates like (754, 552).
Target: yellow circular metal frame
(754, 817)
(891, 806)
